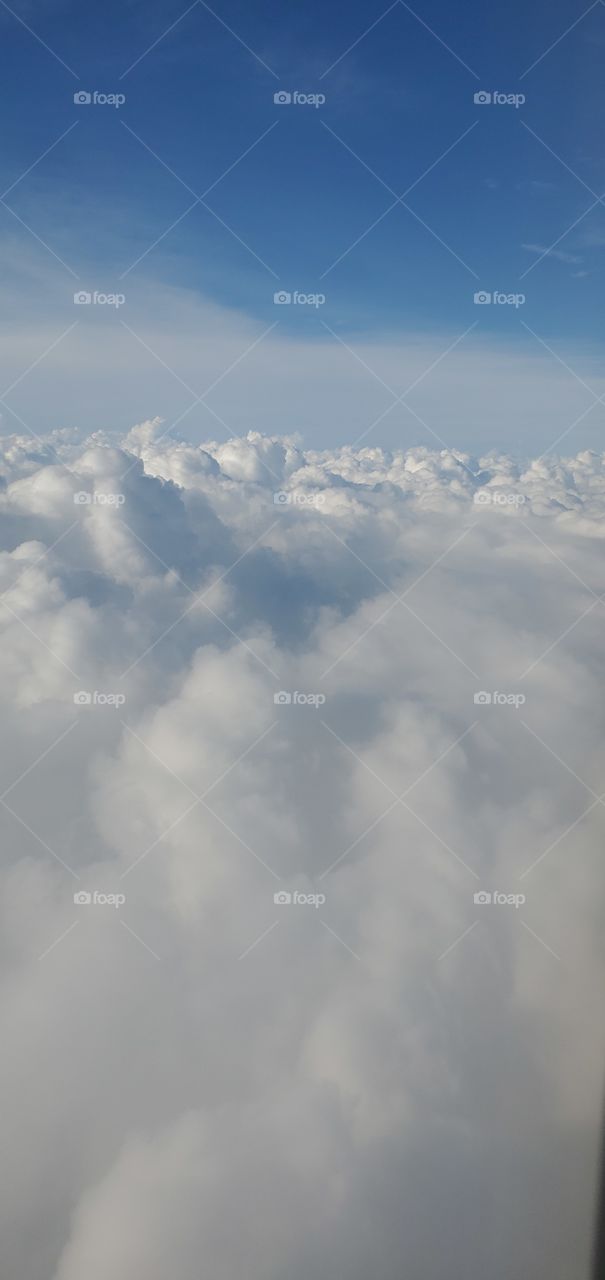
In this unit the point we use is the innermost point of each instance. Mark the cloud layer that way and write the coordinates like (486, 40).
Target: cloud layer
(378, 1075)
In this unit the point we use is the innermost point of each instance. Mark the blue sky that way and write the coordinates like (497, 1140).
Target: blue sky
(490, 186)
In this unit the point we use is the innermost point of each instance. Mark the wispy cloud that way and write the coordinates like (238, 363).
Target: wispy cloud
(561, 255)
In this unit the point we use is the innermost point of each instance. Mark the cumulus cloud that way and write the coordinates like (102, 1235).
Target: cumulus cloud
(376, 1074)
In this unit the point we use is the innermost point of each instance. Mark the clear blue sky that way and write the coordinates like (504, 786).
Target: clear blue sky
(396, 101)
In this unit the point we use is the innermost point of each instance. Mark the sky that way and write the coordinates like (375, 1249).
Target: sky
(302, 509)
(306, 197)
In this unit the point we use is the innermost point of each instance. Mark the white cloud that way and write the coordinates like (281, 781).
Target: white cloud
(201, 1078)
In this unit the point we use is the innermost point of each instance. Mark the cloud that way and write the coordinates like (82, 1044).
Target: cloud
(198, 1075)
(560, 254)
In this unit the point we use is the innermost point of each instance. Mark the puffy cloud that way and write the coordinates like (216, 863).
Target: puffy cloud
(379, 1074)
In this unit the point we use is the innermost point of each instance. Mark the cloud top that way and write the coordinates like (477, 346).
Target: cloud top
(365, 682)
